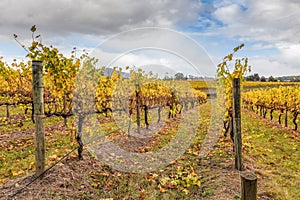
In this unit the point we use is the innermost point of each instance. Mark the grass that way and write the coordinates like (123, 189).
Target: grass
(17, 145)
(276, 113)
(272, 151)
(17, 156)
(275, 151)
(20, 122)
(110, 184)
(154, 185)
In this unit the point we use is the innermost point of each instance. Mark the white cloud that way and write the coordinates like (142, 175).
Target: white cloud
(271, 67)
(155, 46)
(93, 16)
(261, 46)
(267, 20)
(271, 24)
(70, 23)
(228, 14)
(290, 54)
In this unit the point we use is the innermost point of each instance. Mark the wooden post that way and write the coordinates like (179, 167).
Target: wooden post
(38, 106)
(7, 111)
(129, 125)
(64, 109)
(158, 112)
(146, 109)
(236, 95)
(138, 117)
(286, 118)
(248, 186)
(78, 137)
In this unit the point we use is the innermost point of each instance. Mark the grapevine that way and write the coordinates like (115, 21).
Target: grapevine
(226, 76)
(282, 99)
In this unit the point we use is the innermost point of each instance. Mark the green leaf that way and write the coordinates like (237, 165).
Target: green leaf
(33, 28)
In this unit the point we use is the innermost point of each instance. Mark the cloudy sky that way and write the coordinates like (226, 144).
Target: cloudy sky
(190, 36)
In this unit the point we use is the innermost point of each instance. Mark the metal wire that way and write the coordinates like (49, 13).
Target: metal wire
(39, 176)
(66, 155)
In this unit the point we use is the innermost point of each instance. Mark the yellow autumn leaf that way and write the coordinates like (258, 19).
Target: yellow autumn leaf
(17, 173)
(186, 191)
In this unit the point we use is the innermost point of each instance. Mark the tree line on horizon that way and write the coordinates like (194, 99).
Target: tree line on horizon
(253, 77)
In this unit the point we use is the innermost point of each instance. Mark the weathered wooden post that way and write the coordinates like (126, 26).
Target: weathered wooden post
(38, 106)
(138, 117)
(159, 113)
(146, 110)
(7, 111)
(286, 118)
(79, 135)
(236, 95)
(248, 186)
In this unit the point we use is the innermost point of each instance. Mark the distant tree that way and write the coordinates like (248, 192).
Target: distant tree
(167, 77)
(250, 78)
(280, 79)
(256, 77)
(296, 79)
(179, 76)
(263, 79)
(271, 79)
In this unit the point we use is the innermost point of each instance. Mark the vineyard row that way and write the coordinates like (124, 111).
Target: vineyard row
(285, 100)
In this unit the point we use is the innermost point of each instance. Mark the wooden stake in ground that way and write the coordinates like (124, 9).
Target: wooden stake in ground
(248, 186)
(138, 101)
(38, 103)
(236, 95)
